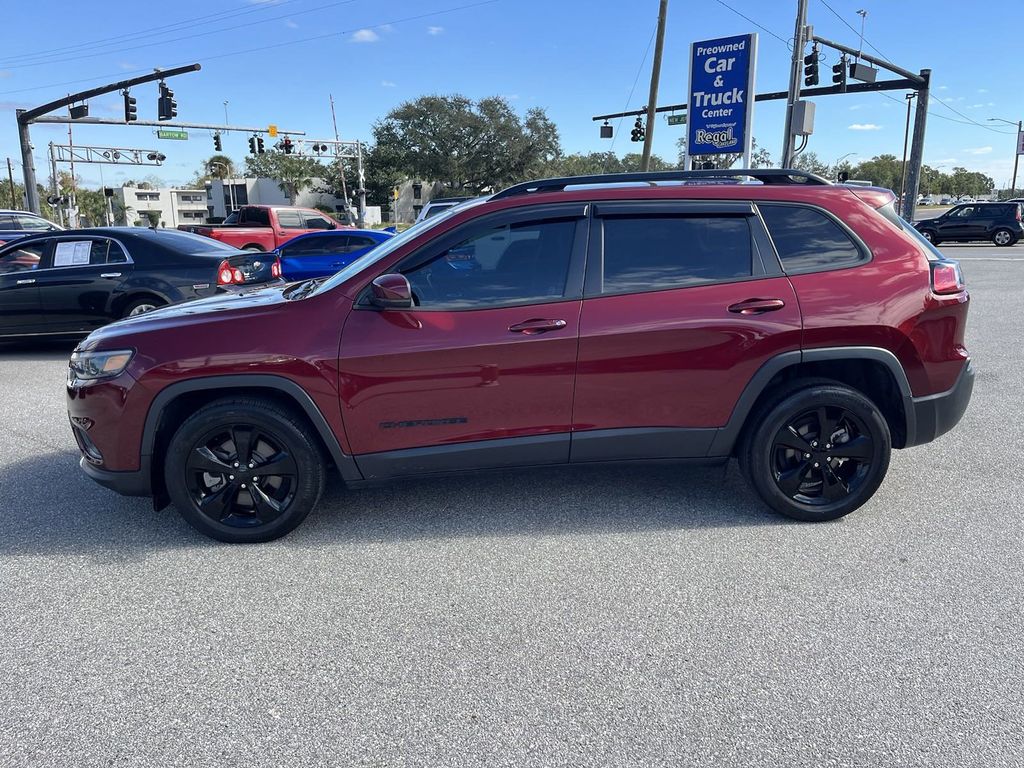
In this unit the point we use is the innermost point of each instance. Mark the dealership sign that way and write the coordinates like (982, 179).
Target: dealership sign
(721, 103)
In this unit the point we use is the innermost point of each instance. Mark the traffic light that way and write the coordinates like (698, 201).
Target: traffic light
(811, 67)
(638, 132)
(252, 145)
(839, 72)
(259, 145)
(287, 146)
(131, 112)
(217, 145)
(167, 107)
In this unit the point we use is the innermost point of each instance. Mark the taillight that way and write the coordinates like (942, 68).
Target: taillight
(946, 277)
(229, 275)
(275, 268)
(1018, 213)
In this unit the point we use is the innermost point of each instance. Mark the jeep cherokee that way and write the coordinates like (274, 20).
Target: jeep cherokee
(768, 315)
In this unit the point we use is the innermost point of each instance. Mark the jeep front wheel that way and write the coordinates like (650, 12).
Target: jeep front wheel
(817, 452)
(244, 470)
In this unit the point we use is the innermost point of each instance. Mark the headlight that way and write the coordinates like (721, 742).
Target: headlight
(103, 364)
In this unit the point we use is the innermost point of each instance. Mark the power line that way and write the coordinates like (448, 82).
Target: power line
(262, 47)
(149, 32)
(217, 31)
(629, 98)
(784, 41)
(854, 30)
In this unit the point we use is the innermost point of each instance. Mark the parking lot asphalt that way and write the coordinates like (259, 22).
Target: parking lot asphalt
(645, 616)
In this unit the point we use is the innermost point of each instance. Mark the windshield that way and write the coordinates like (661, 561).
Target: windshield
(396, 242)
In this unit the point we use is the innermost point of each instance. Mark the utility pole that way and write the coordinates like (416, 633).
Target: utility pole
(10, 178)
(795, 72)
(652, 99)
(917, 147)
(341, 164)
(906, 136)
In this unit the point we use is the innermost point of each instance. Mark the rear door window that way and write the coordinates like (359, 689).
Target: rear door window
(317, 221)
(255, 217)
(289, 219)
(657, 252)
(807, 240)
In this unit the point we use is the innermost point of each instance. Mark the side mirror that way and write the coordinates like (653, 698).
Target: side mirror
(391, 292)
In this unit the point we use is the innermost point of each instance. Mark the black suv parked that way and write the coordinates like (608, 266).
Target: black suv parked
(998, 222)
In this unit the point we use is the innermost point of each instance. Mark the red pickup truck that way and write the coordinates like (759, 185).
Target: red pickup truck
(264, 227)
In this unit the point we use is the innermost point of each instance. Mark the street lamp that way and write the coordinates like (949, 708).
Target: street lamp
(1016, 149)
(848, 154)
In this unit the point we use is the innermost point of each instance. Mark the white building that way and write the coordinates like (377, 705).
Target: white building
(166, 207)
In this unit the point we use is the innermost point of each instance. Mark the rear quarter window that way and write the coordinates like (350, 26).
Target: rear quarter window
(807, 240)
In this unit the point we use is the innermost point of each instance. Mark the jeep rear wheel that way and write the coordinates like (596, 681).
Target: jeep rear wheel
(817, 452)
(243, 470)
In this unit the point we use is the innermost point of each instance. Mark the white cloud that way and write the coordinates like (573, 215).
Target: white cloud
(983, 90)
(291, 24)
(865, 127)
(365, 36)
(435, 30)
(943, 88)
(945, 161)
(387, 84)
(978, 150)
(856, 106)
(5, 73)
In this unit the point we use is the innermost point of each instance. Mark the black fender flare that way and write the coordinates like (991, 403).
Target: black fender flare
(725, 439)
(229, 382)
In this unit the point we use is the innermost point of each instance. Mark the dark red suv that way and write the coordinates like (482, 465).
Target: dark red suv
(767, 315)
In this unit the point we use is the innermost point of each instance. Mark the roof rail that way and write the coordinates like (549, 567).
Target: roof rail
(763, 175)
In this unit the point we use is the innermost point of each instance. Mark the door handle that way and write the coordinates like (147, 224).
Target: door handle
(111, 275)
(757, 306)
(26, 282)
(531, 327)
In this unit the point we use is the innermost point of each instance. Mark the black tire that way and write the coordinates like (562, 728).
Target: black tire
(1003, 237)
(211, 482)
(807, 480)
(254, 247)
(141, 306)
(930, 236)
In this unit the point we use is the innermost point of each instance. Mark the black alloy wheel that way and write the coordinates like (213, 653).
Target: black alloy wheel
(822, 456)
(816, 451)
(244, 470)
(241, 476)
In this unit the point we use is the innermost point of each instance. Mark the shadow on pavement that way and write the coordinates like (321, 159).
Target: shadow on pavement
(47, 505)
(38, 349)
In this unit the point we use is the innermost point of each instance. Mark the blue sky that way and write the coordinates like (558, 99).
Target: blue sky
(278, 61)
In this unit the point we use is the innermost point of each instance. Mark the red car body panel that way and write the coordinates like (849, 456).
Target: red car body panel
(473, 376)
(676, 358)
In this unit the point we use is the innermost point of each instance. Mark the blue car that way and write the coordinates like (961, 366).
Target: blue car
(319, 254)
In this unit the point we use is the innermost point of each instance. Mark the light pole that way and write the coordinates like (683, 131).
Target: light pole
(906, 136)
(230, 183)
(1016, 149)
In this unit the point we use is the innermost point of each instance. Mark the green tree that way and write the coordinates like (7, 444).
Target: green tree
(809, 161)
(882, 171)
(291, 173)
(467, 146)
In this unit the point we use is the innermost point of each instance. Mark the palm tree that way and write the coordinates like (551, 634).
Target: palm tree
(219, 167)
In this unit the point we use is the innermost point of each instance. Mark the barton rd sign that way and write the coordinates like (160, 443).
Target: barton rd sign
(721, 103)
